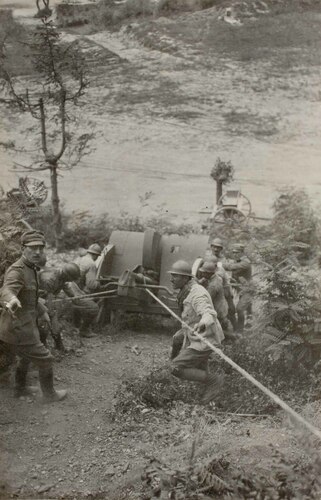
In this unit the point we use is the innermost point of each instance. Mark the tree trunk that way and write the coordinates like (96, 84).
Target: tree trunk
(219, 190)
(57, 224)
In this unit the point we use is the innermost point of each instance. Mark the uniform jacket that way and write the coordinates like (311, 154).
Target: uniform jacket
(88, 272)
(198, 305)
(216, 290)
(221, 272)
(21, 281)
(52, 282)
(241, 269)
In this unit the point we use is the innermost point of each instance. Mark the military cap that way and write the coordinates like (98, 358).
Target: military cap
(33, 238)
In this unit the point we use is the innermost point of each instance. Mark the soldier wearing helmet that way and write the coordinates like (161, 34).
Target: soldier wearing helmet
(88, 270)
(213, 282)
(51, 283)
(189, 354)
(86, 311)
(217, 248)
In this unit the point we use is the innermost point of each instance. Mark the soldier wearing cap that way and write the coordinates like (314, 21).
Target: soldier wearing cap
(19, 332)
(241, 269)
(189, 354)
(51, 283)
(86, 310)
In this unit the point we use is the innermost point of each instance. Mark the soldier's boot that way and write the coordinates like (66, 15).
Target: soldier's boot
(59, 345)
(85, 329)
(214, 384)
(50, 394)
(21, 389)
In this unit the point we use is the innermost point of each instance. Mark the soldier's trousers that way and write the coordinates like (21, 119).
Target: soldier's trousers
(85, 311)
(36, 353)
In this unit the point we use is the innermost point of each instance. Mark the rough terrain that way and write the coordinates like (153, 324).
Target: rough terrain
(167, 97)
(78, 448)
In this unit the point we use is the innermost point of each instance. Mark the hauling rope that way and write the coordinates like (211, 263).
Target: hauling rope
(298, 418)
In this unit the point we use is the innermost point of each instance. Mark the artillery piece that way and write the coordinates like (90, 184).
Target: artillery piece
(133, 262)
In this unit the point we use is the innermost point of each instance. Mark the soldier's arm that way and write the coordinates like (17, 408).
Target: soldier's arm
(13, 283)
(203, 306)
(237, 266)
(92, 283)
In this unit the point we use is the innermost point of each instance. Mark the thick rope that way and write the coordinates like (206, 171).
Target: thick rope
(314, 430)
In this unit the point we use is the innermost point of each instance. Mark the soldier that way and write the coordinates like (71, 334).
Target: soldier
(241, 273)
(88, 270)
(86, 311)
(51, 282)
(213, 283)
(217, 252)
(189, 354)
(19, 332)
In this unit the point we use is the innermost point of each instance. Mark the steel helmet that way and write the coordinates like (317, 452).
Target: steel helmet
(217, 242)
(95, 249)
(208, 267)
(181, 267)
(71, 270)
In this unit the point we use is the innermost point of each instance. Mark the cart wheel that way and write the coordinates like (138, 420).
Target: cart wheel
(229, 215)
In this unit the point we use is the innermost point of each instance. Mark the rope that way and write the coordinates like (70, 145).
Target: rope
(314, 430)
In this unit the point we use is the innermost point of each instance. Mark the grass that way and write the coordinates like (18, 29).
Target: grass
(272, 36)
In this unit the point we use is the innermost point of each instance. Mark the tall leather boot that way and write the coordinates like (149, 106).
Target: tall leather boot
(50, 395)
(59, 345)
(85, 329)
(21, 388)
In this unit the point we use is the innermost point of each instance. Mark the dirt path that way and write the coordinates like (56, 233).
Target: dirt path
(72, 446)
(76, 449)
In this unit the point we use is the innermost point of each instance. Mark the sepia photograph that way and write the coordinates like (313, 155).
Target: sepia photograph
(160, 249)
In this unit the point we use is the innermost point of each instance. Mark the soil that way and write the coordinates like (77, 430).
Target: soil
(79, 448)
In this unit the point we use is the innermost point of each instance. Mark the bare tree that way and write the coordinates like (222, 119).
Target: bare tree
(60, 82)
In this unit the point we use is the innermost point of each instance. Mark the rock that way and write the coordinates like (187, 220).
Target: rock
(46, 487)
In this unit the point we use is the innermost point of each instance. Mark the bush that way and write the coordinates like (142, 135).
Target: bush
(289, 290)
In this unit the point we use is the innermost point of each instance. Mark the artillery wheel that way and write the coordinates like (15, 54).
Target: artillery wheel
(230, 215)
(244, 204)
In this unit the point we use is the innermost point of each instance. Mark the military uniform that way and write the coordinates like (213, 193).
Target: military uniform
(19, 333)
(188, 350)
(51, 283)
(88, 272)
(241, 274)
(216, 290)
(86, 310)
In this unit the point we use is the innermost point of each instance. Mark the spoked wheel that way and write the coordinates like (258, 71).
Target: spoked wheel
(226, 215)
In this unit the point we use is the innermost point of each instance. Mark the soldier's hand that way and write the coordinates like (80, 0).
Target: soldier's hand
(13, 305)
